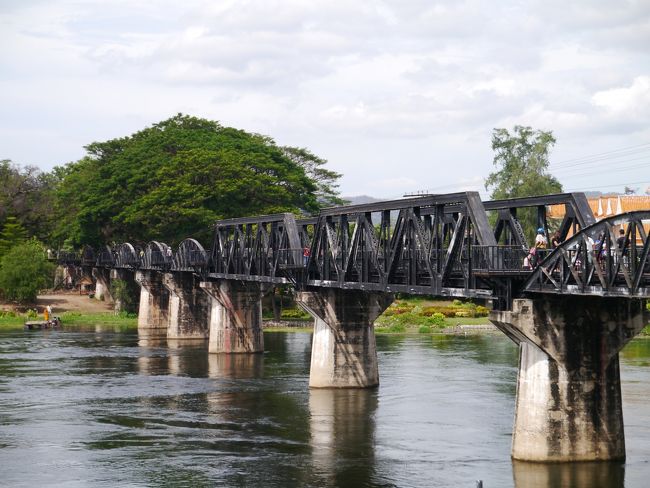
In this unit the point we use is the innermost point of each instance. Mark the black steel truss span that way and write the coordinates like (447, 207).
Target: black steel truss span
(257, 248)
(418, 245)
(157, 256)
(105, 257)
(508, 230)
(126, 256)
(191, 257)
(598, 260)
(435, 245)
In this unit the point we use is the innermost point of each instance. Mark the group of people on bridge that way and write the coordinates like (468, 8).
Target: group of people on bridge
(598, 248)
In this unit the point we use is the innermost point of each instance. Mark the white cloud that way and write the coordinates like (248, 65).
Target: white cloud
(387, 88)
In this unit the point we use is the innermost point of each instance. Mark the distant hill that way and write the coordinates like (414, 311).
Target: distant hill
(360, 199)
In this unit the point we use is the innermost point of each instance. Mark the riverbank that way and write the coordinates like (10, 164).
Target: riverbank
(404, 316)
(73, 309)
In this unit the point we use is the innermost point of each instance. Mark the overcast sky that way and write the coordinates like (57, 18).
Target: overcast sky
(398, 96)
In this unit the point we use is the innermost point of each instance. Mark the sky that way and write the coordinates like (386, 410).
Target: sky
(398, 96)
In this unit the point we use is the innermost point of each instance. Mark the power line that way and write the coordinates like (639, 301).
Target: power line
(579, 171)
(601, 161)
(610, 185)
(613, 151)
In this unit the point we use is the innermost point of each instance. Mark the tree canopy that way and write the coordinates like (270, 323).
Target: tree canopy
(26, 194)
(174, 179)
(24, 271)
(522, 160)
(11, 235)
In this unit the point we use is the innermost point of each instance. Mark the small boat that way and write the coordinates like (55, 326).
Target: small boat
(54, 323)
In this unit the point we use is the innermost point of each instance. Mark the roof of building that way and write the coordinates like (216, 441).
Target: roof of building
(608, 205)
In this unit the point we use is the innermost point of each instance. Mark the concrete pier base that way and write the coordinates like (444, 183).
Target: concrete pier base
(569, 405)
(235, 316)
(153, 312)
(102, 284)
(188, 307)
(344, 352)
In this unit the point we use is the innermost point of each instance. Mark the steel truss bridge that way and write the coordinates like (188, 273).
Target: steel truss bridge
(443, 245)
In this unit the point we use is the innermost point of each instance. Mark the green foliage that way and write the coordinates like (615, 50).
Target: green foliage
(27, 194)
(24, 271)
(174, 179)
(325, 180)
(294, 313)
(411, 313)
(522, 160)
(123, 293)
(397, 328)
(12, 233)
(438, 319)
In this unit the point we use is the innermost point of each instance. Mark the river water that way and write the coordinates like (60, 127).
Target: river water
(102, 408)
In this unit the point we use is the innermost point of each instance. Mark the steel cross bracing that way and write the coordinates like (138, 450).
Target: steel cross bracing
(435, 245)
(599, 260)
(260, 249)
(418, 245)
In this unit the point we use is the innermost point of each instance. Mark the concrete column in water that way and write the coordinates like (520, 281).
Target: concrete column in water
(568, 405)
(344, 352)
(153, 313)
(235, 316)
(188, 307)
(102, 284)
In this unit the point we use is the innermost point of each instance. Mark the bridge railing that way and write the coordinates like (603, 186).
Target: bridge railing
(292, 259)
(494, 259)
(67, 257)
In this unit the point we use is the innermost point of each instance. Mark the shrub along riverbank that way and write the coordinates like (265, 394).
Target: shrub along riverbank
(413, 315)
(121, 321)
(426, 316)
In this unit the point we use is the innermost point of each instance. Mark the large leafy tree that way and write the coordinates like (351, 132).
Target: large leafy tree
(24, 271)
(521, 158)
(326, 180)
(174, 179)
(11, 234)
(26, 193)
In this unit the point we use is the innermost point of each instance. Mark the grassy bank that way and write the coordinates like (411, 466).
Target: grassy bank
(418, 315)
(122, 321)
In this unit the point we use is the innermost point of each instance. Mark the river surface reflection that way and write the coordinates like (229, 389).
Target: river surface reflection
(98, 408)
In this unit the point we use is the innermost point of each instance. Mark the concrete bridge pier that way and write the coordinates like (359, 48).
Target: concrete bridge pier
(235, 316)
(188, 307)
(344, 352)
(153, 312)
(568, 405)
(102, 284)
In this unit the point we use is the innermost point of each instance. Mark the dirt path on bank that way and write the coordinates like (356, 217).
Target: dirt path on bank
(73, 302)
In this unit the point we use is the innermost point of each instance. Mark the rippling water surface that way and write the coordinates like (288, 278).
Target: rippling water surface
(99, 408)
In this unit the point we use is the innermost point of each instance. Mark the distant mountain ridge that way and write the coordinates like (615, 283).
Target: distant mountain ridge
(360, 199)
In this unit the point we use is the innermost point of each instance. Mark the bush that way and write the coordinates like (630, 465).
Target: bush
(294, 313)
(438, 319)
(24, 271)
(482, 311)
(424, 329)
(397, 328)
(445, 311)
